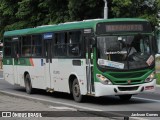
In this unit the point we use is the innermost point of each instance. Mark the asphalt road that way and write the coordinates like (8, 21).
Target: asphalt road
(141, 102)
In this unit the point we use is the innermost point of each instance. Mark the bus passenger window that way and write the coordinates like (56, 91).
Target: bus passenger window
(60, 44)
(36, 45)
(7, 47)
(26, 51)
(74, 43)
(26, 46)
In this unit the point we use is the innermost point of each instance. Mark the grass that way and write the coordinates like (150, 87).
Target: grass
(158, 78)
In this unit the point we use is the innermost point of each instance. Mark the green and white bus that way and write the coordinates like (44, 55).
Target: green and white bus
(91, 57)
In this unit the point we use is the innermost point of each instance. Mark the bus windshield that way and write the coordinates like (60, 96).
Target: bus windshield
(125, 52)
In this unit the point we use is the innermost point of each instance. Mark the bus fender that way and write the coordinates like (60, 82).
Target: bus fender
(83, 86)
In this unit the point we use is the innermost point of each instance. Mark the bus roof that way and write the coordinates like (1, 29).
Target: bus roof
(66, 26)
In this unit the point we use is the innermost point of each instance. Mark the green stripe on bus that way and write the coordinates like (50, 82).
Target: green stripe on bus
(20, 61)
(7, 61)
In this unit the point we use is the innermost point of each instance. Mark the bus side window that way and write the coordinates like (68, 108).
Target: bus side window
(56, 38)
(26, 46)
(60, 44)
(74, 43)
(36, 45)
(7, 47)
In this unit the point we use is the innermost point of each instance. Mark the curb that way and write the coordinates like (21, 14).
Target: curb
(157, 85)
(45, 101)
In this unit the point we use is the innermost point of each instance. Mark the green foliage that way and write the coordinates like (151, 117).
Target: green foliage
(23, 10)
(157, 2)
(17, 25)
(158, 78)
(120, 7)
(17, 14)
(8, 9)
(85, 9)
(136, 8)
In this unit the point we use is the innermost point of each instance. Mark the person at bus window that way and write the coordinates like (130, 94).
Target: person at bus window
(73, 41)
(136, 45)
(27, 52)
(34, 51)
(70, 38)
(129, 49)
(16, 53)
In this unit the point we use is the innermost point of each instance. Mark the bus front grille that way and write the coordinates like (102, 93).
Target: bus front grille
(124, 82)
(128, 88)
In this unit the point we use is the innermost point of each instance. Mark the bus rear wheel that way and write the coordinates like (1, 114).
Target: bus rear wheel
(76, 91)
(125, 97)
(28, 84)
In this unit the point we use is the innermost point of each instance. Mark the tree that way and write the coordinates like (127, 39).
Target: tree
(85, 9)
(28, 13)
(18, 14)
(7, 14)
(136, 8)
(58, 11)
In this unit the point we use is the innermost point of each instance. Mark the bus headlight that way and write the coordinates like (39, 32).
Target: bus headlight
(150, 77)
(103, 79)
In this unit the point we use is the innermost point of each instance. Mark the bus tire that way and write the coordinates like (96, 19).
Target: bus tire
(28, 84)
(76, 91)
(125, 97)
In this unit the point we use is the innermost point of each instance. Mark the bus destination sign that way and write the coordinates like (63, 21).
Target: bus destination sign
(132, 27)
(119, 27)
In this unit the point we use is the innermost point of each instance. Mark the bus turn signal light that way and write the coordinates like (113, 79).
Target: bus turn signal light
(103, 79)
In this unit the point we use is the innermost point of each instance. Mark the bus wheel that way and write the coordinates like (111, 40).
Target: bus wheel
(125, 97)
(76, 91)
(28, 84)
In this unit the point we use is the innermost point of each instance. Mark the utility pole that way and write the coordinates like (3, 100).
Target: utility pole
(105, 10)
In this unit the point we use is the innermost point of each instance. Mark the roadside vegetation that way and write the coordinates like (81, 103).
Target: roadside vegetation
(158, 69)
(158, 78)
(18, 14)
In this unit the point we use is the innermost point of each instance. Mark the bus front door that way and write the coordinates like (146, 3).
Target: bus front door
(47, 62)
(89, 65)
(15, 57)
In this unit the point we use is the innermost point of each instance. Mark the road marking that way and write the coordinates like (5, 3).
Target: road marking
(138, 118)
(157, 85)
(146, 99)
(63, 108)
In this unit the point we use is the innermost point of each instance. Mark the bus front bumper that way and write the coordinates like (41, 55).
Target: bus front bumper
(102, 90)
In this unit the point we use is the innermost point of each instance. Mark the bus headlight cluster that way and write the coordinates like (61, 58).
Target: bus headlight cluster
(103, 79)
(151, 77)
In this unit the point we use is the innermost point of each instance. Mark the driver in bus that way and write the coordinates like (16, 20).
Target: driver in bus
(129, 47)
